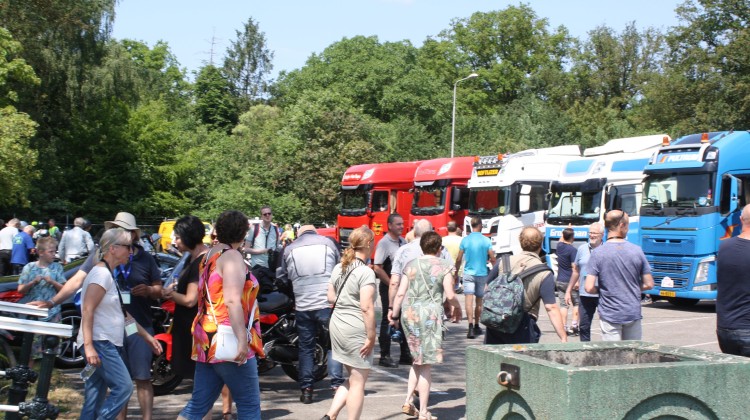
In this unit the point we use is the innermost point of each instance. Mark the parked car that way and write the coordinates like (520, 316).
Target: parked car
(165, 230)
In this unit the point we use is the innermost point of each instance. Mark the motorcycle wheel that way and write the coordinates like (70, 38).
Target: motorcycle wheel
(71, 356)
(320, 368)
(163, 378)
(292, 371)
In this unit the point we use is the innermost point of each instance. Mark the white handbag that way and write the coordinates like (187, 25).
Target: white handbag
(226, 343)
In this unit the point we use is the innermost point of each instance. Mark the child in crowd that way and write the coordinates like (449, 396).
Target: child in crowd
(40, 281)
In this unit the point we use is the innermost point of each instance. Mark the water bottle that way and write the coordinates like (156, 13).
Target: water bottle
(396, 335)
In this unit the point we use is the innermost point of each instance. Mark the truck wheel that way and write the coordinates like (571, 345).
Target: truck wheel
(683, 302)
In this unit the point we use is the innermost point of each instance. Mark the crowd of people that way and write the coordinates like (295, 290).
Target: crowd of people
(417, 282)
(19, 240)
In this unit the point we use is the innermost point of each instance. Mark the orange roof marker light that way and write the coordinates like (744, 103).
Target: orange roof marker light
(704, 138)
(476, 159)
(665, 141)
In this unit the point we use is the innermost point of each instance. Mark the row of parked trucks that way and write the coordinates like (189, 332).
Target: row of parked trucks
(683, 197)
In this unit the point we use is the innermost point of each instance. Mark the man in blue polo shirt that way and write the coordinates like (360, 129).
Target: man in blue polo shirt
(477, 249)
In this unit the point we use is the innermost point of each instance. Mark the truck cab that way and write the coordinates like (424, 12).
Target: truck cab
(509, 192)
(694, 191)
(441, 193)
(607, 177)
(371, 192)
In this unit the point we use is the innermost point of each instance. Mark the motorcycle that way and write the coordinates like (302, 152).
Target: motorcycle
(281, 341)
(164, 379)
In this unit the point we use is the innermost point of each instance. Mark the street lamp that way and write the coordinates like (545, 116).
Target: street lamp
(453, 121)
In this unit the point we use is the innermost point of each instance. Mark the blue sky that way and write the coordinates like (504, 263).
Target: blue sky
(296, 29)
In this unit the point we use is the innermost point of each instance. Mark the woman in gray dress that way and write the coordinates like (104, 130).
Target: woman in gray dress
(420, 299)
(352, 294)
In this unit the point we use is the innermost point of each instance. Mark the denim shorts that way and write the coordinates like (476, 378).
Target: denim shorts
(138, 356)
(561, 288)
(474, 285)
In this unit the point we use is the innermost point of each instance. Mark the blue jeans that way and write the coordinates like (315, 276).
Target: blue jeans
(586, 312)
(736, 342)
(242, 381)
(308, 324)
(111, 374)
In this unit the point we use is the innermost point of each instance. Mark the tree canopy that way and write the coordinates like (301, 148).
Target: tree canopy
(91, 125)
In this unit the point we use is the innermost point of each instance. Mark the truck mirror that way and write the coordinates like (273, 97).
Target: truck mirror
(455, 195)
(525, 189)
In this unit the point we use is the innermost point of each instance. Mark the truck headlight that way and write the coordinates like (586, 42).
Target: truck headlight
(701, 274)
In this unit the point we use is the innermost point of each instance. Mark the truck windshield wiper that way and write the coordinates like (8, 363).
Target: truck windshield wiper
(668, 221)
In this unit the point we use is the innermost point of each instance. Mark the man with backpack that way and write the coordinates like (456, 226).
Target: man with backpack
(263, 245)
(510, 312)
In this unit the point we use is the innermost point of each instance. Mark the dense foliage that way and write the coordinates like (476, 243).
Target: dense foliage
(90, 125)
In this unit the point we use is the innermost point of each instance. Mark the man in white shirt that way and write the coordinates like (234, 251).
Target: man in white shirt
(6, 245)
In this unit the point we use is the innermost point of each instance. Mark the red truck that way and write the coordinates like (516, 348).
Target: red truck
(440, 191)
(370, 192)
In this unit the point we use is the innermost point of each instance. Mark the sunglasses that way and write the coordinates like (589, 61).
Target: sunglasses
(128, 246)
(266, 214)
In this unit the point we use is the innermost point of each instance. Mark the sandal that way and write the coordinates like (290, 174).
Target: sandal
(409, 410)
(427, 416)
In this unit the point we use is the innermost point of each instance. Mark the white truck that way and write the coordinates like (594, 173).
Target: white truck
(606, 177)
(509, 192)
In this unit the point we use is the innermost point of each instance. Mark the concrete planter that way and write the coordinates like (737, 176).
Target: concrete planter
(605, 380)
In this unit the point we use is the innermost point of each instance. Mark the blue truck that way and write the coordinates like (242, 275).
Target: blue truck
(693, 192)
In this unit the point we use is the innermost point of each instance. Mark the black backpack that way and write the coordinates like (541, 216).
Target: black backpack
(503, 301)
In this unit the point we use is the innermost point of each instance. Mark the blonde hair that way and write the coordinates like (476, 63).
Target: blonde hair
(109, 238)
(359, 239)
(46, 243)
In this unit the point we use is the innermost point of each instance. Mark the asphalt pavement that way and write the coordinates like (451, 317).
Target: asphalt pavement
(692, 327)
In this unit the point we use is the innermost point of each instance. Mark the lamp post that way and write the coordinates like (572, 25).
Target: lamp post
(453, 120)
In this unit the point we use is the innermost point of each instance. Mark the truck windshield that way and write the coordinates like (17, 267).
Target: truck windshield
(574, 207)
(353, 202)
(430, 200)
(494, 202)
(678, 190)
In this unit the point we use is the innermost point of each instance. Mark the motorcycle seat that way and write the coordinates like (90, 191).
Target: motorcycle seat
(273, 302)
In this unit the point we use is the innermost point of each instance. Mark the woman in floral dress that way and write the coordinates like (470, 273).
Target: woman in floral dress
(420, 298)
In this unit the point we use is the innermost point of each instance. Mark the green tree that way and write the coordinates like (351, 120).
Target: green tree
(705, 84)
(247, 64)
(214, 103)
(17, 159)
(513, 51)
(613, 69)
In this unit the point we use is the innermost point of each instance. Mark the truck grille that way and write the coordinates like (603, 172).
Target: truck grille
(677, 270)
(344, 237)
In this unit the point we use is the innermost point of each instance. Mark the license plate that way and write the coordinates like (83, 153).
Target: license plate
(667, 293)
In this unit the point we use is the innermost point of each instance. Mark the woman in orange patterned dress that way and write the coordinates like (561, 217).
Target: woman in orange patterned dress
(226, 296)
